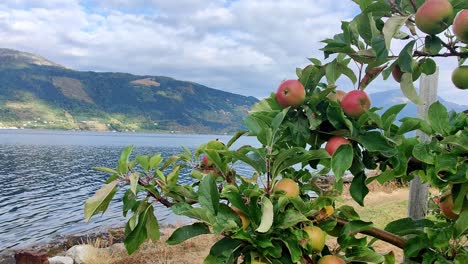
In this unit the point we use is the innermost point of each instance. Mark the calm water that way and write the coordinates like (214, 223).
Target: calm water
(46, 176)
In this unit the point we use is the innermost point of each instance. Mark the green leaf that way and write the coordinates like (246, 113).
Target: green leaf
(152, 226)
(291, 218)
(407, 87)
(140, 233)
(388, 117)
(267, 216)
(440, 237)
(278, 119)
(134, 176)
(365, 255)
(173, 176)
(373, 141)
(416, 244)
(122, 164)
(408, 226)
(143, 161)
(391, 27)
(106, 170)
(358, 188)
(236, 200)
(224, 251)
(432, 44)
(100, 200)
(405, 58)
(461, 225)
(155, 160)
(459, 4)
(356, 226)
(292, 156)
(348, 212)
(293, 248)
(332, 72)
(186, 232)
(366, 27)
(236, 136)
(208, 195)
(423, 153)
(438, 117)
(347, 72)
(342, 160)
(253, 159)
(378, 45)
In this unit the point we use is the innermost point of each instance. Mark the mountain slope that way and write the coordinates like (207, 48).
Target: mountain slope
(35, 92)
(389, 98)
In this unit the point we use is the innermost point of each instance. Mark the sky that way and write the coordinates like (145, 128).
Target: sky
(240, 46)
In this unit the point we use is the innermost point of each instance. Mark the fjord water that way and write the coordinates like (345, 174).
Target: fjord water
(46, 176)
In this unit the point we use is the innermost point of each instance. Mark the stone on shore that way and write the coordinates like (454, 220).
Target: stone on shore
(28, 257)
(60, 260)
(82, 254)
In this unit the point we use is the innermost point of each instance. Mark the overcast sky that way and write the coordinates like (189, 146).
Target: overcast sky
(243, 46)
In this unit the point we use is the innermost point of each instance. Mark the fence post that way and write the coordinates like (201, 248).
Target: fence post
(418, 193)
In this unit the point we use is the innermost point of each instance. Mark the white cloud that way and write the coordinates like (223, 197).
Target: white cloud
(244, 46)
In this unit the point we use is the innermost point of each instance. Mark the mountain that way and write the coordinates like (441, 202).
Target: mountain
(37, 93)
(388, 98)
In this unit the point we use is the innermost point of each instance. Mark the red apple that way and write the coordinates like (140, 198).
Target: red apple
(355, 103)
(290, 93)
(446, 206)
(397, 73)
(460, 25)
(330, 259)
(206, 161)
(334, 143)
(337, 95)
(434, 16)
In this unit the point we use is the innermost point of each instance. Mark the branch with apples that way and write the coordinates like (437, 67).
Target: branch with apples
(277, 213)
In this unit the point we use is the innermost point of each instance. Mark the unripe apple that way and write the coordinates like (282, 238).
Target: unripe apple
(257, 261)
(244, 219)
(215, 145)
(355, 103)
(330, 259)
(460, 25)
(290, 187)
(397, 73)
(460, 77)
(334, 143)
(446, 206)
(434, 16)
(316, 238)
(290, 93)
(337, 95)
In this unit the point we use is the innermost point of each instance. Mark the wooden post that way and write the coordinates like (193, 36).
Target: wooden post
(418, 194)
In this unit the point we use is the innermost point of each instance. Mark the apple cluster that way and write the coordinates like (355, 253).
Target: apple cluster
(291, 93)
(434, 17)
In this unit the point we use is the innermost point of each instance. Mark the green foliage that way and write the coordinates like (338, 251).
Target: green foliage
(259, 223)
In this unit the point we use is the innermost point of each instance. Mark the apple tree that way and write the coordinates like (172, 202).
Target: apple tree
(308, 127)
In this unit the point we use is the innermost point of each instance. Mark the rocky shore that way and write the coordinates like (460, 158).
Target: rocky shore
(76, 249)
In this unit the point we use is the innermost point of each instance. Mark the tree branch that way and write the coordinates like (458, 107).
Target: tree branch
(380, 234)
(453, 53)
(413, 3)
